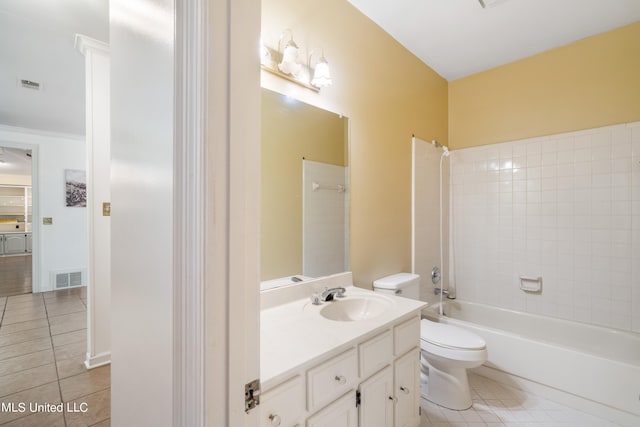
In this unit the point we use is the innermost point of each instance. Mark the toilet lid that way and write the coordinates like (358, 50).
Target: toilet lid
(450, 336)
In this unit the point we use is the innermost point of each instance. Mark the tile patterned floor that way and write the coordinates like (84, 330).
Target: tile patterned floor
(42, 350)
(497, 405)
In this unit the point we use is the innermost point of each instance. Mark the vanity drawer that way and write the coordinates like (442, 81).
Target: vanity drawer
(332, 378)
(406, 336)
(283, 405)
(375, 353)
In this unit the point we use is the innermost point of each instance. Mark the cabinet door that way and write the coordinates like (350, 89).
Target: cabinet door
(407, 389)
(14, 243)
(376, 400)
(341, 413)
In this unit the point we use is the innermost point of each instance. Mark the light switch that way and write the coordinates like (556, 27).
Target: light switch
(47, 220)
(106, 209)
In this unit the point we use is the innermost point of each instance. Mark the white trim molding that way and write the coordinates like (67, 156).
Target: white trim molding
(190, 179)
(97, 360)
(86, 44)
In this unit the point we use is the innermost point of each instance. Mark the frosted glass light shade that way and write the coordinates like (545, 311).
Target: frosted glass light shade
(321, 74)
(289, 64)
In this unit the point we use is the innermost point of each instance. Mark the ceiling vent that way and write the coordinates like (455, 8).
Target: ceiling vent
(29, 84)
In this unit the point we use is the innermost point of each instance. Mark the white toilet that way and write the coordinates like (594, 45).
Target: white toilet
(447, 350)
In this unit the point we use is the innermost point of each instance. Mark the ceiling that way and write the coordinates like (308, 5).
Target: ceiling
(37, 44)
(457, 38)
(454, 37)
(14, 161)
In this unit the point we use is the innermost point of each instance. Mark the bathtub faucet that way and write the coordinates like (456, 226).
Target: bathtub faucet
(445, 292)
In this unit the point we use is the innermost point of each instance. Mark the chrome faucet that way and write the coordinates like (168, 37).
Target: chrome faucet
(329, 294)
(444, 292)
(437, 291)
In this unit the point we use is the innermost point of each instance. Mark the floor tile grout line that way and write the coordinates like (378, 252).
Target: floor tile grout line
(55, 361)
(6, 301)
(25, 369)
(25, 414)
(30, 388)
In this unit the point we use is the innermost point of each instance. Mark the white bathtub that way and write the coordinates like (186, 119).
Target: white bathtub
(599, 365)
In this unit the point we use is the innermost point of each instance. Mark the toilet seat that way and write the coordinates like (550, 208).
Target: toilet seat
(449, 336)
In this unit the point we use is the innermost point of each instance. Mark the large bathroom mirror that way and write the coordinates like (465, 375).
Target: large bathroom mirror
(304, 191)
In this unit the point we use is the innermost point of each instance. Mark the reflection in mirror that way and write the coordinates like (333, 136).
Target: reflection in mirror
(304, 191)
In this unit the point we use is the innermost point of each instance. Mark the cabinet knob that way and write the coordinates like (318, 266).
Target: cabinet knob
(404, 390)
(275, 420)
(341, 379)
(393, 399)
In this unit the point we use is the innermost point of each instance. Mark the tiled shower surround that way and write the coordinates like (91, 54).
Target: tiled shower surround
(564, 207)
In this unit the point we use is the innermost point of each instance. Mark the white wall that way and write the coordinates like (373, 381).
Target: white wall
(142, 50)
(565, 207)
(63, 245)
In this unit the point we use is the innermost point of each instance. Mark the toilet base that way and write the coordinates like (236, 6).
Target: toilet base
(449, 388)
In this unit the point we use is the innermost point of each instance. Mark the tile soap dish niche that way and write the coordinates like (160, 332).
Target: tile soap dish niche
(531, 284)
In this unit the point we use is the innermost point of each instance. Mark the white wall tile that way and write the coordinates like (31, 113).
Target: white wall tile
(566, 207)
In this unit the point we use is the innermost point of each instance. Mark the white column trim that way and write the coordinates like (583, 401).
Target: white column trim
(85, 44)
(190, 180)
(93, 49)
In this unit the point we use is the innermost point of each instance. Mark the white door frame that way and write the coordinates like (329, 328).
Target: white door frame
(216, 211)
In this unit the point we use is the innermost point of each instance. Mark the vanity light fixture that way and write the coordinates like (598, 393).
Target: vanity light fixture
(321, 75)
(283, 63)
(289, 64)
(265, 54)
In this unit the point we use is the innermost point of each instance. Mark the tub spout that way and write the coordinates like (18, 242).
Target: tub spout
(445, 292)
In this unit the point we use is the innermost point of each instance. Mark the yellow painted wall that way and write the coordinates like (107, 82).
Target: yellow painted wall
(388, 94)
(590, 83)
(291, 130)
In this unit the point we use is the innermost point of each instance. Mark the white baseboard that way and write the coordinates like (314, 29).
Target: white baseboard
(97, 360)
(571, 400)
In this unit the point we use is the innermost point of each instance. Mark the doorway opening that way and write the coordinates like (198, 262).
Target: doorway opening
(16, 221)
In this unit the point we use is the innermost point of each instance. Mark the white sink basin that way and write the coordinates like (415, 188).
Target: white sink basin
(353, 308)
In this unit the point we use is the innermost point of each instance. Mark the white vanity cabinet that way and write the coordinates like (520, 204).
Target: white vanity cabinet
(372, 382)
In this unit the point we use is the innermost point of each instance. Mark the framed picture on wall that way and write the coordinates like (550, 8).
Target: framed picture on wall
(76, 187)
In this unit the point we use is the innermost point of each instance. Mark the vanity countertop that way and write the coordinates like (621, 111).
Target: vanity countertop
(294, 333)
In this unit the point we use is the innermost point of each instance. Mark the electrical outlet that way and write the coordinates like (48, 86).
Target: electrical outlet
(47, 221)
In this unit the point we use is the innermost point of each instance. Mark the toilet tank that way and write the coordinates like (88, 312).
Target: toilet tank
(402, 284)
